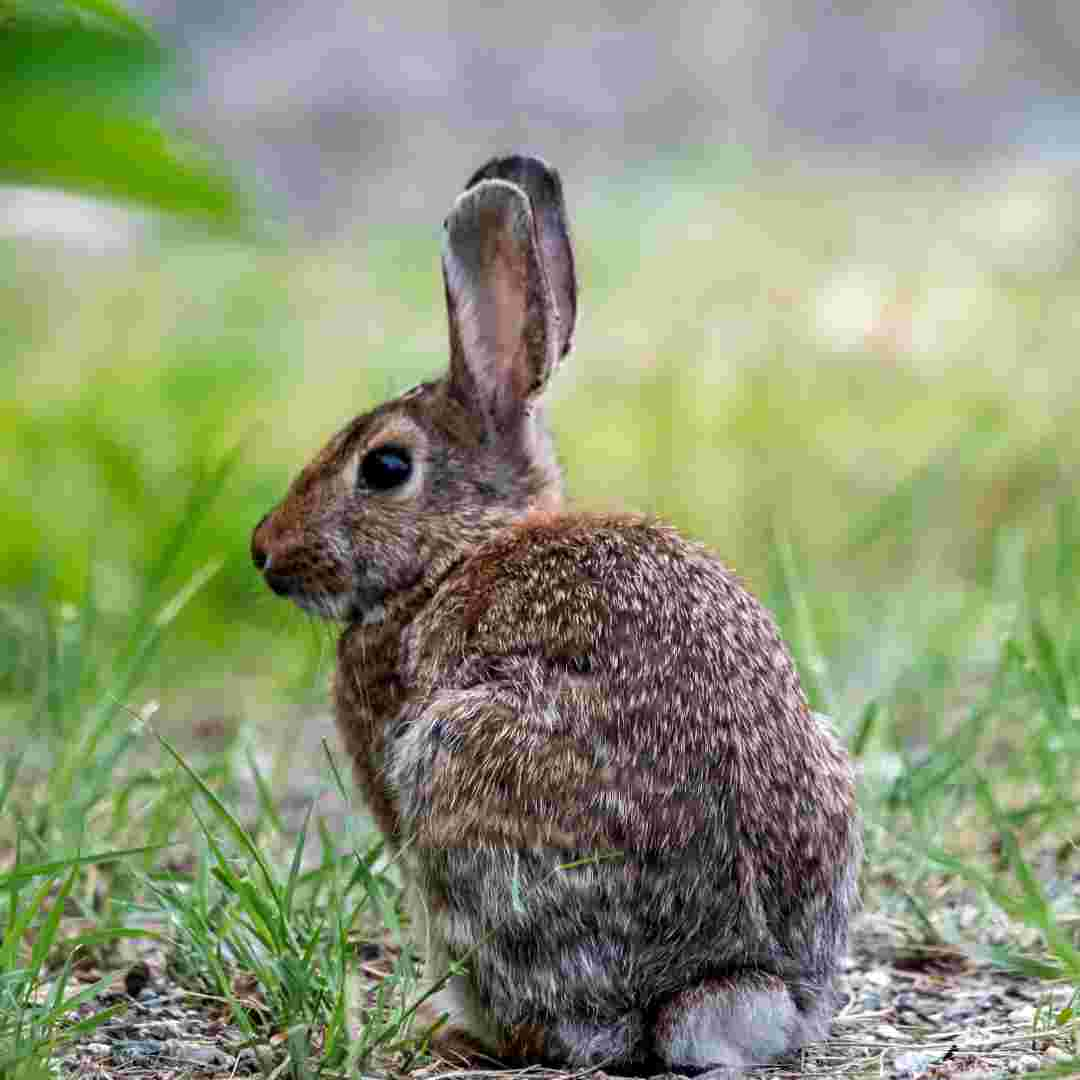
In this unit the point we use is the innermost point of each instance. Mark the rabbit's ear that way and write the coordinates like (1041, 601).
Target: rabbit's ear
(504, 327)
(544, 187)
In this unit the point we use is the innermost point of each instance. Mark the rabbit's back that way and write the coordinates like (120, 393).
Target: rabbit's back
(599, 691)
(613, 642)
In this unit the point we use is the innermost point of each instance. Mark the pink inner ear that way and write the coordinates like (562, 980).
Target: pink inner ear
(501, 309)
(508, 297)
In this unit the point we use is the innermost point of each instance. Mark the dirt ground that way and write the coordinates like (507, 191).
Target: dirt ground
(911, 1009)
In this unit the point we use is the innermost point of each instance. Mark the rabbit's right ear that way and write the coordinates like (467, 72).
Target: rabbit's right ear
(504, 320)
(544, 187)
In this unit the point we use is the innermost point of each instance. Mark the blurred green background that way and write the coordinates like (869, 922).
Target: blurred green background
(852, 374)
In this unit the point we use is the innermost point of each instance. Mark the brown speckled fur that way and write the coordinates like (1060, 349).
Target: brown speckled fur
(582, 734)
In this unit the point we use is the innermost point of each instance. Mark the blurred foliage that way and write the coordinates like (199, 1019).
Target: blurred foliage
(82, 85)
(862, 398)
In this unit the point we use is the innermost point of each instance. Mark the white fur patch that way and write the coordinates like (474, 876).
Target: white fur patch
(745, 1027)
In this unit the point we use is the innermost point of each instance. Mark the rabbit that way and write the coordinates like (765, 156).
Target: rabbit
(626, 838)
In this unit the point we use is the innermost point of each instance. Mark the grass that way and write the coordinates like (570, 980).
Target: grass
(225, 897)
(864, 401)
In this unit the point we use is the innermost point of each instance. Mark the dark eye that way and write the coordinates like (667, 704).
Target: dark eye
(386, 467)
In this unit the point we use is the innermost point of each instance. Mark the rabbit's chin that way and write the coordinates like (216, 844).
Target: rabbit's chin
(334, 607)
(363, 606)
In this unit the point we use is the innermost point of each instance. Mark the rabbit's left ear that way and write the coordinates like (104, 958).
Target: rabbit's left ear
(504, 322)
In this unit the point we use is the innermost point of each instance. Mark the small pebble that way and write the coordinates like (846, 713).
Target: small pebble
(137, 979)
(887, 1031)
(973, 1037)
(166, 1029)
(96, 1049)
(178, 1050)
(138, 1049)
(954, 1014)
(915, 1063)
(1023, 1015)
(878, 976)
(968, 916)
(1030, 938)
(1025, 1063)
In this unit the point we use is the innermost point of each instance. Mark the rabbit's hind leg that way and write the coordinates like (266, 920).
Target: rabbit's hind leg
(574, 1041)
(460, 1033)
(747, 1018)
(583, 1043)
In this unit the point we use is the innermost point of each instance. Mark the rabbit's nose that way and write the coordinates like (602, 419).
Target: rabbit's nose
(260, 554)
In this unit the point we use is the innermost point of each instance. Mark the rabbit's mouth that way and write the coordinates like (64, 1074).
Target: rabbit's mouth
(327, 605)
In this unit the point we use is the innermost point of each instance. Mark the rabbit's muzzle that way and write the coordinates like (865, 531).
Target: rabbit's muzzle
(300, 570)
(277, 580)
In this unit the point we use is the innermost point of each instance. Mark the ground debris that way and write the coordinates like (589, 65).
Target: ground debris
(961, 1022)
(921, 1002)
(162, 1031)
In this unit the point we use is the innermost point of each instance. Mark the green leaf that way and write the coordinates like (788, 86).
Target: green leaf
(113, 15)
(76, 61)
(58, 144)
(80, 84)
(85, 14)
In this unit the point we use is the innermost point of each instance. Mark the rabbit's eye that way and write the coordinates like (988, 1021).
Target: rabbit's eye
(386, 467)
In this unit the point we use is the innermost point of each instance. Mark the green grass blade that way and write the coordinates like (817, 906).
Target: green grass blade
(264, 794)
(868, 723)
(15, 878)
(46, 935)
(92, 938)
(236, 830)
(74, 1032)
(8, 773)
(1049, 663)
(804, 637)
(294, 868)
(21, 923)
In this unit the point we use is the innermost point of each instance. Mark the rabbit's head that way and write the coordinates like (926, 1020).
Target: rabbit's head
(403, 490)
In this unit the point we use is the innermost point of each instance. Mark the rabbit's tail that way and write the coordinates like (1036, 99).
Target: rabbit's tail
(747, 1018)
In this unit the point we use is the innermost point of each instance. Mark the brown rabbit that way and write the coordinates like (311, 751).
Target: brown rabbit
(581, 733)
